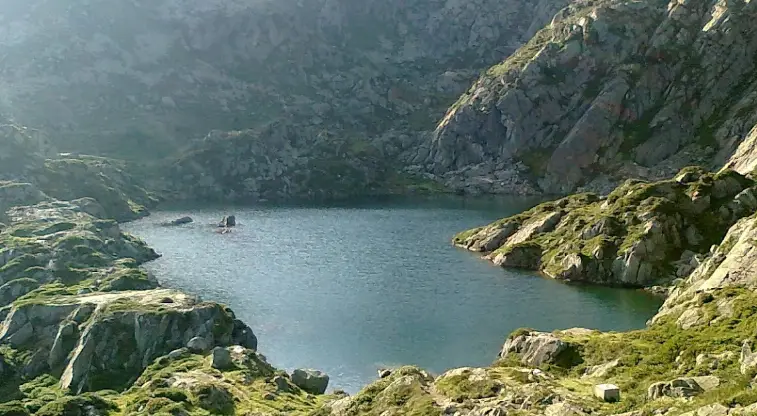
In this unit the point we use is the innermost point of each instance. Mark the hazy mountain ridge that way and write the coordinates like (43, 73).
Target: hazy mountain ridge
(117, 78)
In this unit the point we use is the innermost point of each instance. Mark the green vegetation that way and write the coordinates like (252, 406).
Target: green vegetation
(654, 222)
(460, 387)
(409, 397)
(75, 405)
(523, 55)
(665, 351)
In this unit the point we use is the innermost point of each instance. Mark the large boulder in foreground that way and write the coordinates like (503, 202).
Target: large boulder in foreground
(641, 234)
(104, 341)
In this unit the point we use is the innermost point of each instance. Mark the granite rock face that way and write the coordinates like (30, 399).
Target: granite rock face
(641, 234)
(610, 90)
(534, 348)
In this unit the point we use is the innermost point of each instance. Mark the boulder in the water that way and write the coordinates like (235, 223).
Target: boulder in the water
(228, 221)
(178, 221)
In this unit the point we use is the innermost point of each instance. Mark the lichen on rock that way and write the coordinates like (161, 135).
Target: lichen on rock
(632, 237)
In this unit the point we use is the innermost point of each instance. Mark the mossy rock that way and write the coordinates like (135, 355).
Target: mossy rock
(467, 384)
(76, 406)
(214, 398)
(13, 409)
(630, 238)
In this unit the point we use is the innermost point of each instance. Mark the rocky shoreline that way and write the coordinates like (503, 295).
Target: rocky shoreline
(642, 234)
(79, 316)
(85, 331)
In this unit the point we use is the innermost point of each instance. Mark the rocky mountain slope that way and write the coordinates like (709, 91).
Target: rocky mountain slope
(608, 90)
(119, 79)
(84, 330)
(602, 91)
(641, 234)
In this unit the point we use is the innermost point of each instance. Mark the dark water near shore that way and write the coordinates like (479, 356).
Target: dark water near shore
(353, 287)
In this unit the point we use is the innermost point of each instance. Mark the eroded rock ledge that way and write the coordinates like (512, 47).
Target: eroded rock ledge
(641, 234)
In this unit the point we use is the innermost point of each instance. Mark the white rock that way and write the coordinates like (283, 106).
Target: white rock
(607, 392)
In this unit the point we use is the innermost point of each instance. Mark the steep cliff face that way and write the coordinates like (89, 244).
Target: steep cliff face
(609, 90)
(151, 74)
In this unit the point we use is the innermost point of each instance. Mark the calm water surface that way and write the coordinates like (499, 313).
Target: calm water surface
(353, 287)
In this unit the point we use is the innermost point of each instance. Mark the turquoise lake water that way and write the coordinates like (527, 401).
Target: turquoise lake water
(353, 287)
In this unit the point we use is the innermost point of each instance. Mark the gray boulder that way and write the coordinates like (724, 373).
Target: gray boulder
(179, 221)
(198, 345)
(178, 353)
(221, 359)
(748, 359)
(282, 384)
(243, 335)
(228, 221)
(535, 348)
(214, 398)
(682, 387)
(311, 381)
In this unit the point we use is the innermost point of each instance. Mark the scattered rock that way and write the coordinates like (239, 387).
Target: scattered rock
(682, 387)
(269, 396)
(535, 348)
(523, 256)
(179, 221)
(198, 345)
(449, 409)
(717, 409)
(602, 370)
(748, 359)
(563, 409)
(214, 398)
(228, 221)
(690, 318)
(178, 353)
(607, 392)
(221, 359)
(282, 384)
(311, 381)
